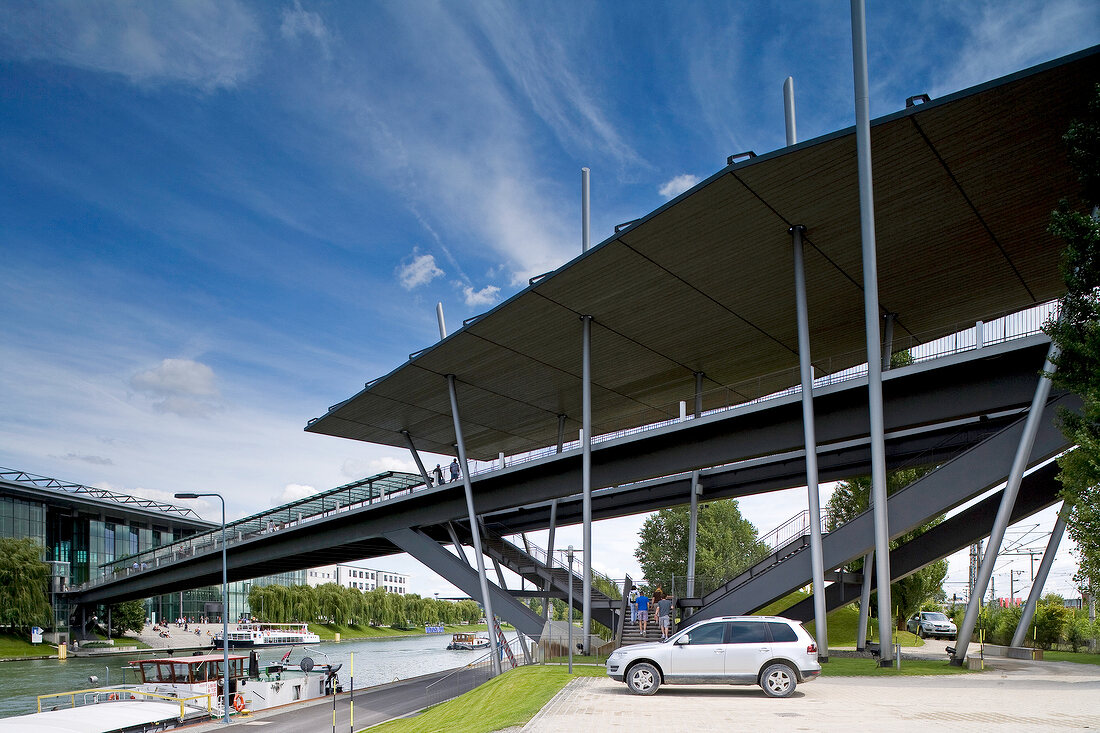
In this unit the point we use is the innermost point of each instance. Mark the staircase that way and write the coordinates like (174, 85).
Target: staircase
(632, 634)
(531, 565)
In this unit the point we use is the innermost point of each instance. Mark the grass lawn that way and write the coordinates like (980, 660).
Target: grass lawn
(511, 699)
(20, 646)
(328, 632)
(1078, 657)
(848, 667)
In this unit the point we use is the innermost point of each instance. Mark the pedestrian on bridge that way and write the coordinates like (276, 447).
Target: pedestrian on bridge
(437, 474)
(633, 596)
(454, 470)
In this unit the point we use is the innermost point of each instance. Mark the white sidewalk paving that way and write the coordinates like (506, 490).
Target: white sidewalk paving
(1015, 696)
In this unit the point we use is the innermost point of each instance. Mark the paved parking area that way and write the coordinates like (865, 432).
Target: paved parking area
(1013, 696)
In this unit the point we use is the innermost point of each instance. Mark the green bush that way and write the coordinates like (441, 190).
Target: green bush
(1078, 631)
(1050, 622)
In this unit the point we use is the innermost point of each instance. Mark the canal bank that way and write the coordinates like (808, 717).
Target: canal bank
(377, 662)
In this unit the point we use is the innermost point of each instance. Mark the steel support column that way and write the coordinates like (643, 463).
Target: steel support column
(550, 556)
(416, 457)
(586, 474)
(693, 534)
(871, 323)
(456, 543)
(1041, 579)
(806, 370)
(887, 340)
(865, 601)
(486, 601)
(1000, 524)
(699, 394)
(561, 433)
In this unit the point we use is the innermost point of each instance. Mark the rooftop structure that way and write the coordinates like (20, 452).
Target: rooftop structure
(704, 285)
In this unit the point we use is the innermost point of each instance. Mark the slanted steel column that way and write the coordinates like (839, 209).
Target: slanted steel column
(693, 533)
(486, 601)
(1040, 580)
(699, 394)
(439, 320)
(455, 542)
(416, 457)
(871, 321)
(586, 474)
(1004, 512)
(788, 110)
(585, 217)
(561, 433)
(550, 555)
(806, 370)
(887, 340)
(865, 601)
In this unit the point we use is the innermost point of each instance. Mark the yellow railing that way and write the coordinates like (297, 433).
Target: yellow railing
(118, 693)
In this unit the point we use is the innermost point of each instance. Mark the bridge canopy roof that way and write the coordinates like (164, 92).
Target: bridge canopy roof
(963, 189)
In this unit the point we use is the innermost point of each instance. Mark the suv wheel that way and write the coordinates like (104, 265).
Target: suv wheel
(643, 679)
(778, 680)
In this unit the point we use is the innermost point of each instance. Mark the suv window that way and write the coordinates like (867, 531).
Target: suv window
(707, 634)
(747, 632)
(781, 632)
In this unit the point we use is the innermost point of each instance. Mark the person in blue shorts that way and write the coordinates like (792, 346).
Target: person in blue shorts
(643, 611)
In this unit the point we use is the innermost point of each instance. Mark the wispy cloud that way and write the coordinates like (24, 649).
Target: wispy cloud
(995, 47)
(94, 460)
(420, 270)
(298, 23)
(677, 185)
(208, 44)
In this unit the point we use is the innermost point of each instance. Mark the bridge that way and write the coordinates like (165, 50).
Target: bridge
(695, 304)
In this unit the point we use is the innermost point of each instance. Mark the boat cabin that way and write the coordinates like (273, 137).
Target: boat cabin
(196, 675)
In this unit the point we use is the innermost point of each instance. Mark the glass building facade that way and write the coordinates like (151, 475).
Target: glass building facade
(82, 534)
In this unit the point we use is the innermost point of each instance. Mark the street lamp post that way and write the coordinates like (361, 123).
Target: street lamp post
(225, 604)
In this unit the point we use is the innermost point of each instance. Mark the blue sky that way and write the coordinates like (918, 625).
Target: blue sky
(221, 217)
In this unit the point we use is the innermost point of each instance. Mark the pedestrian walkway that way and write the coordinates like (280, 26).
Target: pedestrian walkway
(1012, 696)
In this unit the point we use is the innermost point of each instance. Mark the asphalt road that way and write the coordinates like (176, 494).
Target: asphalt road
(372, 706)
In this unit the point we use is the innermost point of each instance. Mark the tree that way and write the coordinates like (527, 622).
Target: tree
(726, 544)
(127, 616)
(1077, 334)
(24, 580)
(852, 498)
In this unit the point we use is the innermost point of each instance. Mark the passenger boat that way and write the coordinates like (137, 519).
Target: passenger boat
(258, 635)
(468, 641)
(177, 691)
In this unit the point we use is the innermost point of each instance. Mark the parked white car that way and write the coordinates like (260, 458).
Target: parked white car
(932, 623)
(775, 653)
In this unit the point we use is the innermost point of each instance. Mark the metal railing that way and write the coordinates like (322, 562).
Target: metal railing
(105, 695)
(477, 672)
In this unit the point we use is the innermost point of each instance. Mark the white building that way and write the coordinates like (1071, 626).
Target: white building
(353, 576)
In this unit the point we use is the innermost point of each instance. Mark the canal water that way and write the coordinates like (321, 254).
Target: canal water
(377, 661)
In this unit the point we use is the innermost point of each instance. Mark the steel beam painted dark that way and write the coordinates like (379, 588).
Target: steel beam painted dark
(436, 557)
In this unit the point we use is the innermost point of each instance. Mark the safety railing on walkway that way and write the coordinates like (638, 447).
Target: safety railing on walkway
(477, 672)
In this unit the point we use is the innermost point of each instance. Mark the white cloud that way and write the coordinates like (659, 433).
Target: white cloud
(209, 44)
(420, 270)
(292, 492)
(486, 296)
(677, 185)
(356, 469)
(298, 23)
(177, 377)
(184, 387)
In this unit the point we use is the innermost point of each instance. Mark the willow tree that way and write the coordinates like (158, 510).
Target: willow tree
(24, 580)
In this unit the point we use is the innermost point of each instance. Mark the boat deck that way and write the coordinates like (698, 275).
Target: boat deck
(113, 716)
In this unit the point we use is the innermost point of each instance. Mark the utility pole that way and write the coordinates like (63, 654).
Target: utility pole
(1012, 586)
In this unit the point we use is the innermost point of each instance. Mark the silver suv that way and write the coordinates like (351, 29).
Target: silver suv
(775, 653)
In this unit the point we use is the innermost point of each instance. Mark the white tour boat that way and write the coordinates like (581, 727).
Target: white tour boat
(468, 642)
(259, 635)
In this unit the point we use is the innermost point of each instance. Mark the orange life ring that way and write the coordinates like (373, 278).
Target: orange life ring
(238, 702)
(112, 696)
